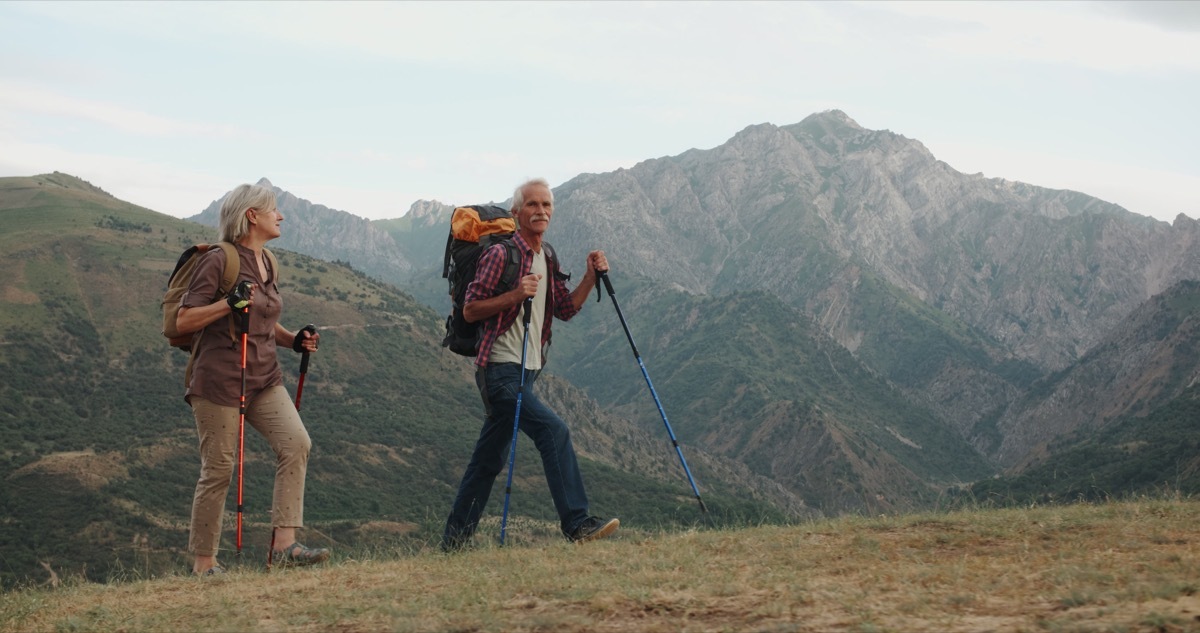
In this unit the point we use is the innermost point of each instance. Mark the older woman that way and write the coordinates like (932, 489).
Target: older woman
(249, 219)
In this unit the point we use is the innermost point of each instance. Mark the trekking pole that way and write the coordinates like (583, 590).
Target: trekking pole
(245, 327)
(303, 359)
(512, 452)
(603, 275)
(303, 372)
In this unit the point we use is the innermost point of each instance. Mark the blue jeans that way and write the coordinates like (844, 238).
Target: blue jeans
(499, 384)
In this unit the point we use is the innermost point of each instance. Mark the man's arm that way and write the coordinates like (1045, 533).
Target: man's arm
(483, 309)
(480, 303)
(595, 261)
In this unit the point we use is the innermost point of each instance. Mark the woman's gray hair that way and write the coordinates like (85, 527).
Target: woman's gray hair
(233, 224)
(519, 194)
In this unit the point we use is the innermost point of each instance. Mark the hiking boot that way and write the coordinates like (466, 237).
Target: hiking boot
(455, 545)
(297, 555)
(457, 539)
(594, 528)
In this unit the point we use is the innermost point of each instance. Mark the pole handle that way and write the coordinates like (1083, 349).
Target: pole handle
(603, 275)
(304, 363)
(527, 307)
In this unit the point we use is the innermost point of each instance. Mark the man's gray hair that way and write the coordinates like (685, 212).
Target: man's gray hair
(233, 224)
(519, 194)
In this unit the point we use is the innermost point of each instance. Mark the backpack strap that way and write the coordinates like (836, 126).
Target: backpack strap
(555, 268)
(187, 373)
(512, 266)
(446, 257)
(230, 274)
(233, 267)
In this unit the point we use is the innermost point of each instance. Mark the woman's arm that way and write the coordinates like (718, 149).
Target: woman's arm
(189, 320)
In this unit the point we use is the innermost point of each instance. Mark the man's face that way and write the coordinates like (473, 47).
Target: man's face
(534, 214)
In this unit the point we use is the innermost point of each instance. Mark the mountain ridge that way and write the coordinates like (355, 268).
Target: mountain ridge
(838, 321)
(99, 448)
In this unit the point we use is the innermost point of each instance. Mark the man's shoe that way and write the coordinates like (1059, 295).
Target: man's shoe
(297, 555)
(454, 545)
(594, 528)
(456, 540)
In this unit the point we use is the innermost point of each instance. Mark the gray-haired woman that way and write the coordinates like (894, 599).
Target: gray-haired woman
(249, 219)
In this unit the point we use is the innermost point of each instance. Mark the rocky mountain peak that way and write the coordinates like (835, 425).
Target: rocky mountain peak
(832, 119)
(429, 212)
(336, 234)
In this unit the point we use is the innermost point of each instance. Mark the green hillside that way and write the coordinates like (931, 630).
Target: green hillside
(1158, 452)
(98, 454)
(747, 377)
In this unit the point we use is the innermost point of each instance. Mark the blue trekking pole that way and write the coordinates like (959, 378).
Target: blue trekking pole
(603, 274)
(512, 451)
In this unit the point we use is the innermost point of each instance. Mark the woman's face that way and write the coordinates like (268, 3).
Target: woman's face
(265, 221)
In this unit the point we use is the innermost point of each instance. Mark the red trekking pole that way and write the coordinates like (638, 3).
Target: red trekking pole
(312, 330)
(245, 327)
(303, 372)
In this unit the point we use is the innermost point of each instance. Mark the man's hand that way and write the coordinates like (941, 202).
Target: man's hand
(528, 286)
(597, 262)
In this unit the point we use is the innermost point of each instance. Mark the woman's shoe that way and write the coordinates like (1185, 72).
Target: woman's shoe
(215, 570)
(297, 555)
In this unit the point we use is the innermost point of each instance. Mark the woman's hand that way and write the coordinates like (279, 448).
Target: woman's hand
(306, 339)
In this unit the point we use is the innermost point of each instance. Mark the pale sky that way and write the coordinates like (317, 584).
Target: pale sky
(368, 107)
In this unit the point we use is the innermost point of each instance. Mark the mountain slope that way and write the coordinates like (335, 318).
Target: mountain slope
(329, 234)
(1151, 359)
(99, 461)
(750, 378)
(992, 282)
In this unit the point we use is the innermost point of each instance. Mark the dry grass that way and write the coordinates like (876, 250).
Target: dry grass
(1130, 566)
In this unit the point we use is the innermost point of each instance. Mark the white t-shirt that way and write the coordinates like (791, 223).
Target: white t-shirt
(508, 345)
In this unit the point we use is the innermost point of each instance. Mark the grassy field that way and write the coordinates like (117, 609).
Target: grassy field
(1120, 566)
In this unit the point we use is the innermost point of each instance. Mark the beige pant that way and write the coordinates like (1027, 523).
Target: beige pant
(274, 416)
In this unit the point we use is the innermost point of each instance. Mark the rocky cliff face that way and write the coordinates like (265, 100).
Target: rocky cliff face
(1043, 272)
(429, 213)
(330, 234)
(876, 239)
(1148, 359)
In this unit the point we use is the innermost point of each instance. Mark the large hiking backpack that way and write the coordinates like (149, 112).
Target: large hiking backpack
(181, 277)
(473, 230)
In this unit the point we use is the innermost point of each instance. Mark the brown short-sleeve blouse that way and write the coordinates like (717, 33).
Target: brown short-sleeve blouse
(217, 369)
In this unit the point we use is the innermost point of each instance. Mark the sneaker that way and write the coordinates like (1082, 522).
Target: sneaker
(215, 570)
(594, 528)
(456, 539)
(297, 555)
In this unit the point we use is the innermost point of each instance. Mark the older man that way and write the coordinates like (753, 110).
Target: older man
(498, 371)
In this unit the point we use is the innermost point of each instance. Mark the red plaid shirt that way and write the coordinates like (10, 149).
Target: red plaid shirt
(484, 286)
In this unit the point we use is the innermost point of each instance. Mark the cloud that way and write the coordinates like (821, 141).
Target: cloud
(1064, 33)
(23, 100)
(1173, 15)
